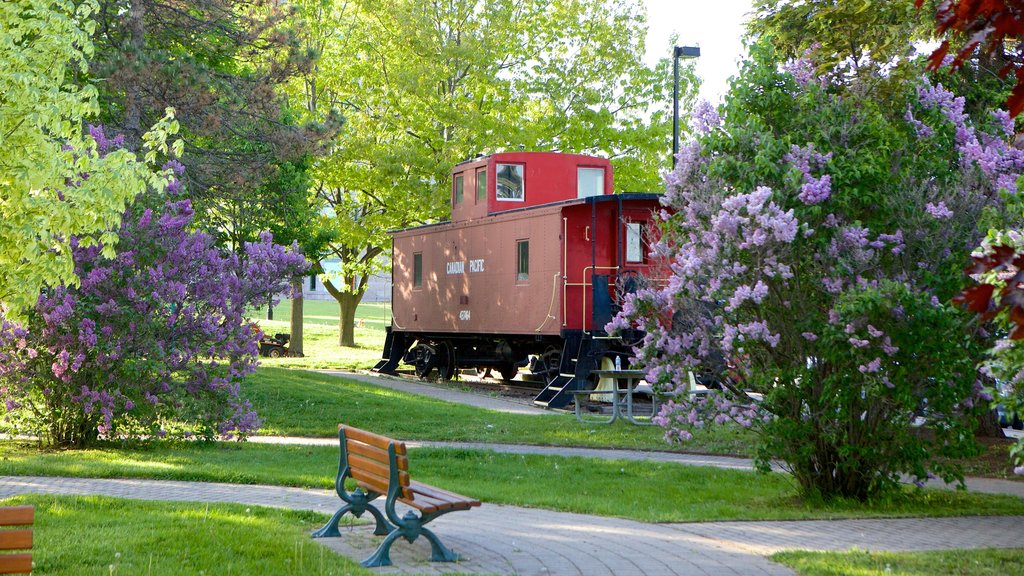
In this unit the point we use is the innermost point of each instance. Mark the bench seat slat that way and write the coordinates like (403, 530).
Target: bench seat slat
(17, 515)
(439, 494)
(375, 440)
(15, 563)
(15, 539)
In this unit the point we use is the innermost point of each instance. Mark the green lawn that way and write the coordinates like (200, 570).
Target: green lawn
(320, 334)
(76, 536)
(984, 562)
(299, 403)
(644, 491)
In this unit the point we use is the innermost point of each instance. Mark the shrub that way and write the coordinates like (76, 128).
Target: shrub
(152, 342)
(815, 239)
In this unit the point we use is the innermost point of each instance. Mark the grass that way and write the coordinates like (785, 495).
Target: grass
(320, 334)
(982, 562)
(296, 403)
(644, 491)
(107, 536)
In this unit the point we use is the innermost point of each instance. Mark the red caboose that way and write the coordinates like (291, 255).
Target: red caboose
(536, 258)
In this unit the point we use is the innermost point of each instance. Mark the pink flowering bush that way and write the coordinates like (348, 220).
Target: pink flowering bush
(815, 241)
(152, 342)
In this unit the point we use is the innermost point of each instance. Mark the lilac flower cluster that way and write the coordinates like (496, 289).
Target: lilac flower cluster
(813, 293)
(154, 338)
(999, 162)
(815, 189)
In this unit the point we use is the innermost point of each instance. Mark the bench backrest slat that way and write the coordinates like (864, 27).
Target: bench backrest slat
(15, 563)
(16, 539)
(375, 454)
(370, 464)
(17, 515)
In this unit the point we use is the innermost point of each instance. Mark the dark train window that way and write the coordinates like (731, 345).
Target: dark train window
(417, 270)
(509, 182)
(523, 260)
(634, 242)
(458, 189)
(481, 185)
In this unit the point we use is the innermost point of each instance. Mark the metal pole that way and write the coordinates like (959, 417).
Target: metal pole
(677, 52)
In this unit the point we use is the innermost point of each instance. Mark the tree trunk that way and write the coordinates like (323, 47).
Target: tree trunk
(347, 320)
(133, 96)
(295, 344)
(988, 426)
(347, 303)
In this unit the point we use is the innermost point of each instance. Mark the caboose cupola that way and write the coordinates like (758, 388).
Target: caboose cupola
(514, 180)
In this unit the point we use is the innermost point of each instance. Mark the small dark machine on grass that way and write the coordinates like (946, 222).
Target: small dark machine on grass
(535, 261)
(274, 346)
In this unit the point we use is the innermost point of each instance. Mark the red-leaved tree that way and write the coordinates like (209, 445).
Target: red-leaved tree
(992, 26)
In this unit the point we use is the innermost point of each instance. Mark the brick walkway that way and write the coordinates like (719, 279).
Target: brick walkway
(509, 540)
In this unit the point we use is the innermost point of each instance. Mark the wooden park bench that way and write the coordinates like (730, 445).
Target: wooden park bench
(17, 538)
(380, 467)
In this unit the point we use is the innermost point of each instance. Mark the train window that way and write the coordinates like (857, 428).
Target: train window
(634, 242)
(481, 185)
(589, 182)
(458, 189)
(509, 182)
(522, 260)
(417, 270)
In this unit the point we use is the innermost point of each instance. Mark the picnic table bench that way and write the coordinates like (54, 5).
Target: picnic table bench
(380, 467)
(16, 538)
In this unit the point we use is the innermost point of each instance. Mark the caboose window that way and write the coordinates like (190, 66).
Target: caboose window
(417, 270)
(634, 242)
(481, 185)
(509, 182)
(523, 260)
(458, 189)
(589, 182)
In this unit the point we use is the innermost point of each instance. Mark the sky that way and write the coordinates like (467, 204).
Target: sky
(715, 26)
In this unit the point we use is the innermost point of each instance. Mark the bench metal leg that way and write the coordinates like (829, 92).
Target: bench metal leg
(330, 530)
(382, 557)
(439, 552)
(411, 527)
(359, 503)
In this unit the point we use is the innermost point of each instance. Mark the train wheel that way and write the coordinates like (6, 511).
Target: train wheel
(508, 371)
(426, 360)
(447, 365)
(548, 364)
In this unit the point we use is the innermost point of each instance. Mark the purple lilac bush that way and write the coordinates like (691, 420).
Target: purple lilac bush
(815, 237)
(153, 342)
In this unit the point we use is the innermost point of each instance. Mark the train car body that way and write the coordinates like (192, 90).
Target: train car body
(533, 264)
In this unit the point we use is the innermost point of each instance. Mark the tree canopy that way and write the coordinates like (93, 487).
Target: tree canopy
(46, 198)
(424, 85)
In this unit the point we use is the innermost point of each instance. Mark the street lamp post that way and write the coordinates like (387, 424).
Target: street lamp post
(678, 52)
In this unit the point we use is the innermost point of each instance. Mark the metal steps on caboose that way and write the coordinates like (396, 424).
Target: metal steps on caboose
(558, 392)
(579, 358)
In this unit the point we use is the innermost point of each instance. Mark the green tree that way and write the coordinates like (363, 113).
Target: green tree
(846, 36)
(424, 85)
(219, 64)
(44, 200)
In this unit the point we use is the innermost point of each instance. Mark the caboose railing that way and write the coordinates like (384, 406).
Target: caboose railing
(583, 285)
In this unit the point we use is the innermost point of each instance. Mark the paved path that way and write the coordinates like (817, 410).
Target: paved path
(447, 392)
(510, 540)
